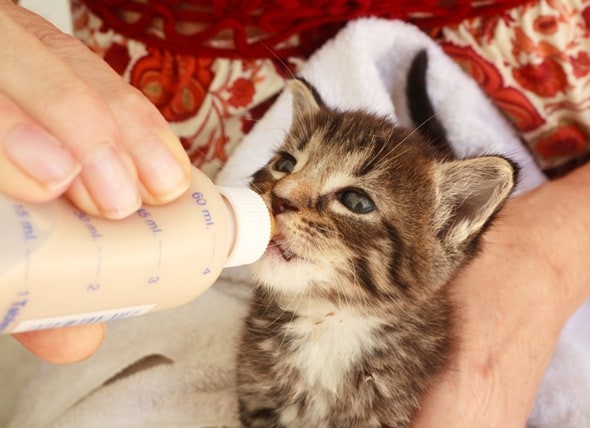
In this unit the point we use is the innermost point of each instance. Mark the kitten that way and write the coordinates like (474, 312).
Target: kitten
(351, 318)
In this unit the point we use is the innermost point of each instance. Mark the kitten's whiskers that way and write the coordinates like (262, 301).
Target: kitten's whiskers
(278, 58)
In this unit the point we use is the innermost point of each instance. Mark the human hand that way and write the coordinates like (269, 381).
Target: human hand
(513, 301)
(64, 345)
(71, 125)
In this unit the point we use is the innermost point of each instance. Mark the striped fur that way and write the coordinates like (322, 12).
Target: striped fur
(351, 318)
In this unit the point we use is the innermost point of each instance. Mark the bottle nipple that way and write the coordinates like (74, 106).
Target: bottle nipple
(253, 225)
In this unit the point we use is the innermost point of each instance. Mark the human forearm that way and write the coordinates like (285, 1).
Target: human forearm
(512, 302)
(567, 202)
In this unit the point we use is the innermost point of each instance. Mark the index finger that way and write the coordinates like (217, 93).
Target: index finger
(72, 111)
(111, 129)
(161, 162)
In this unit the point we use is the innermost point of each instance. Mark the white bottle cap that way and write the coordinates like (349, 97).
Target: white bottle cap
(252, 224)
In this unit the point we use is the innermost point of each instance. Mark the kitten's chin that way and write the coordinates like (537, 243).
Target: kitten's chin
(292, 276)
(277, 260)
(282, 271)
(276, 250)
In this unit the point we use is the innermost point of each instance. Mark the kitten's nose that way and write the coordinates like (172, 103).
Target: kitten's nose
(280, 205)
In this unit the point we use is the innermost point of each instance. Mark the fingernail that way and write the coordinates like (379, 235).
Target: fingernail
(159, 170)
(40, 156)
(109, 183)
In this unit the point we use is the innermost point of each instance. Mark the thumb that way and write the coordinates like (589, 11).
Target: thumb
(63, 345)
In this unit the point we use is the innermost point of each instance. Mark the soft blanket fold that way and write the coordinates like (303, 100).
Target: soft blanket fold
(182, 360)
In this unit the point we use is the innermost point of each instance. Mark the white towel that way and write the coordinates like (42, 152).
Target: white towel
(184, 377)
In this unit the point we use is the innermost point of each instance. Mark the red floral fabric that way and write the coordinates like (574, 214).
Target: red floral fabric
(534, 62)
(210, 103)
(263, 28)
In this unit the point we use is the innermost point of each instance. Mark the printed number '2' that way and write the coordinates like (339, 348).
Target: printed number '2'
(93, 287)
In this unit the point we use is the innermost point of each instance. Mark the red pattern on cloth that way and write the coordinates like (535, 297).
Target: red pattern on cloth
(209, 102)
(509, 99)
(532, 60)
(177, 85)
(274, 21)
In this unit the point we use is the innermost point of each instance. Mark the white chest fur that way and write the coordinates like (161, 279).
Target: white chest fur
(328, 342)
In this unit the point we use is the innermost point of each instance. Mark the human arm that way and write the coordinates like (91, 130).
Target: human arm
(71, 125)
(513, 301)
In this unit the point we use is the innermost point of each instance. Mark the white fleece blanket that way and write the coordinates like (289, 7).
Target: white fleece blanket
(183, 359)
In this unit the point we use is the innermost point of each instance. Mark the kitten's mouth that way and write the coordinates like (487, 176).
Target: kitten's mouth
(288, 255)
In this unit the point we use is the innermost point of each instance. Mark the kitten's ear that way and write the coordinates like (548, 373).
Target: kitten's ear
(471, 192)
(305, 98)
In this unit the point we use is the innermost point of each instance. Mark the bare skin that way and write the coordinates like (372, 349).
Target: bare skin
(515, 299)
(64, 345)
(78, 135)
(70, 125)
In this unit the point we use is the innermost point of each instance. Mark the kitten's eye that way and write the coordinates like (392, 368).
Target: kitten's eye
(356, 201)
(286, 163)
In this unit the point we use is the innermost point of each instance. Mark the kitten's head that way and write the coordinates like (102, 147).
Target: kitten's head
(366, 209)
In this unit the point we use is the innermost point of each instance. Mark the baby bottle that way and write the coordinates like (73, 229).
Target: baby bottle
(62, 267)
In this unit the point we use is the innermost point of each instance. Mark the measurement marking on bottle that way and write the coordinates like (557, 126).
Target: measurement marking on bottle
(93, 286)
(28, 233)
(200, 200)
(208, 218)
(155, 277)
(90, 227)
(149, 221)
(22, 298)
(84, 318)
(28, 230)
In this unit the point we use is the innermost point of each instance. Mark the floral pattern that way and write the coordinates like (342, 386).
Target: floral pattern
(241, 92)
(562, 141)
(210, 103)
(176, 84)
(511, 100)
(534, 61)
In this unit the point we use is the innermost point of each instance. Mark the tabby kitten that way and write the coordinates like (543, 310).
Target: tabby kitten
(351, 317)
